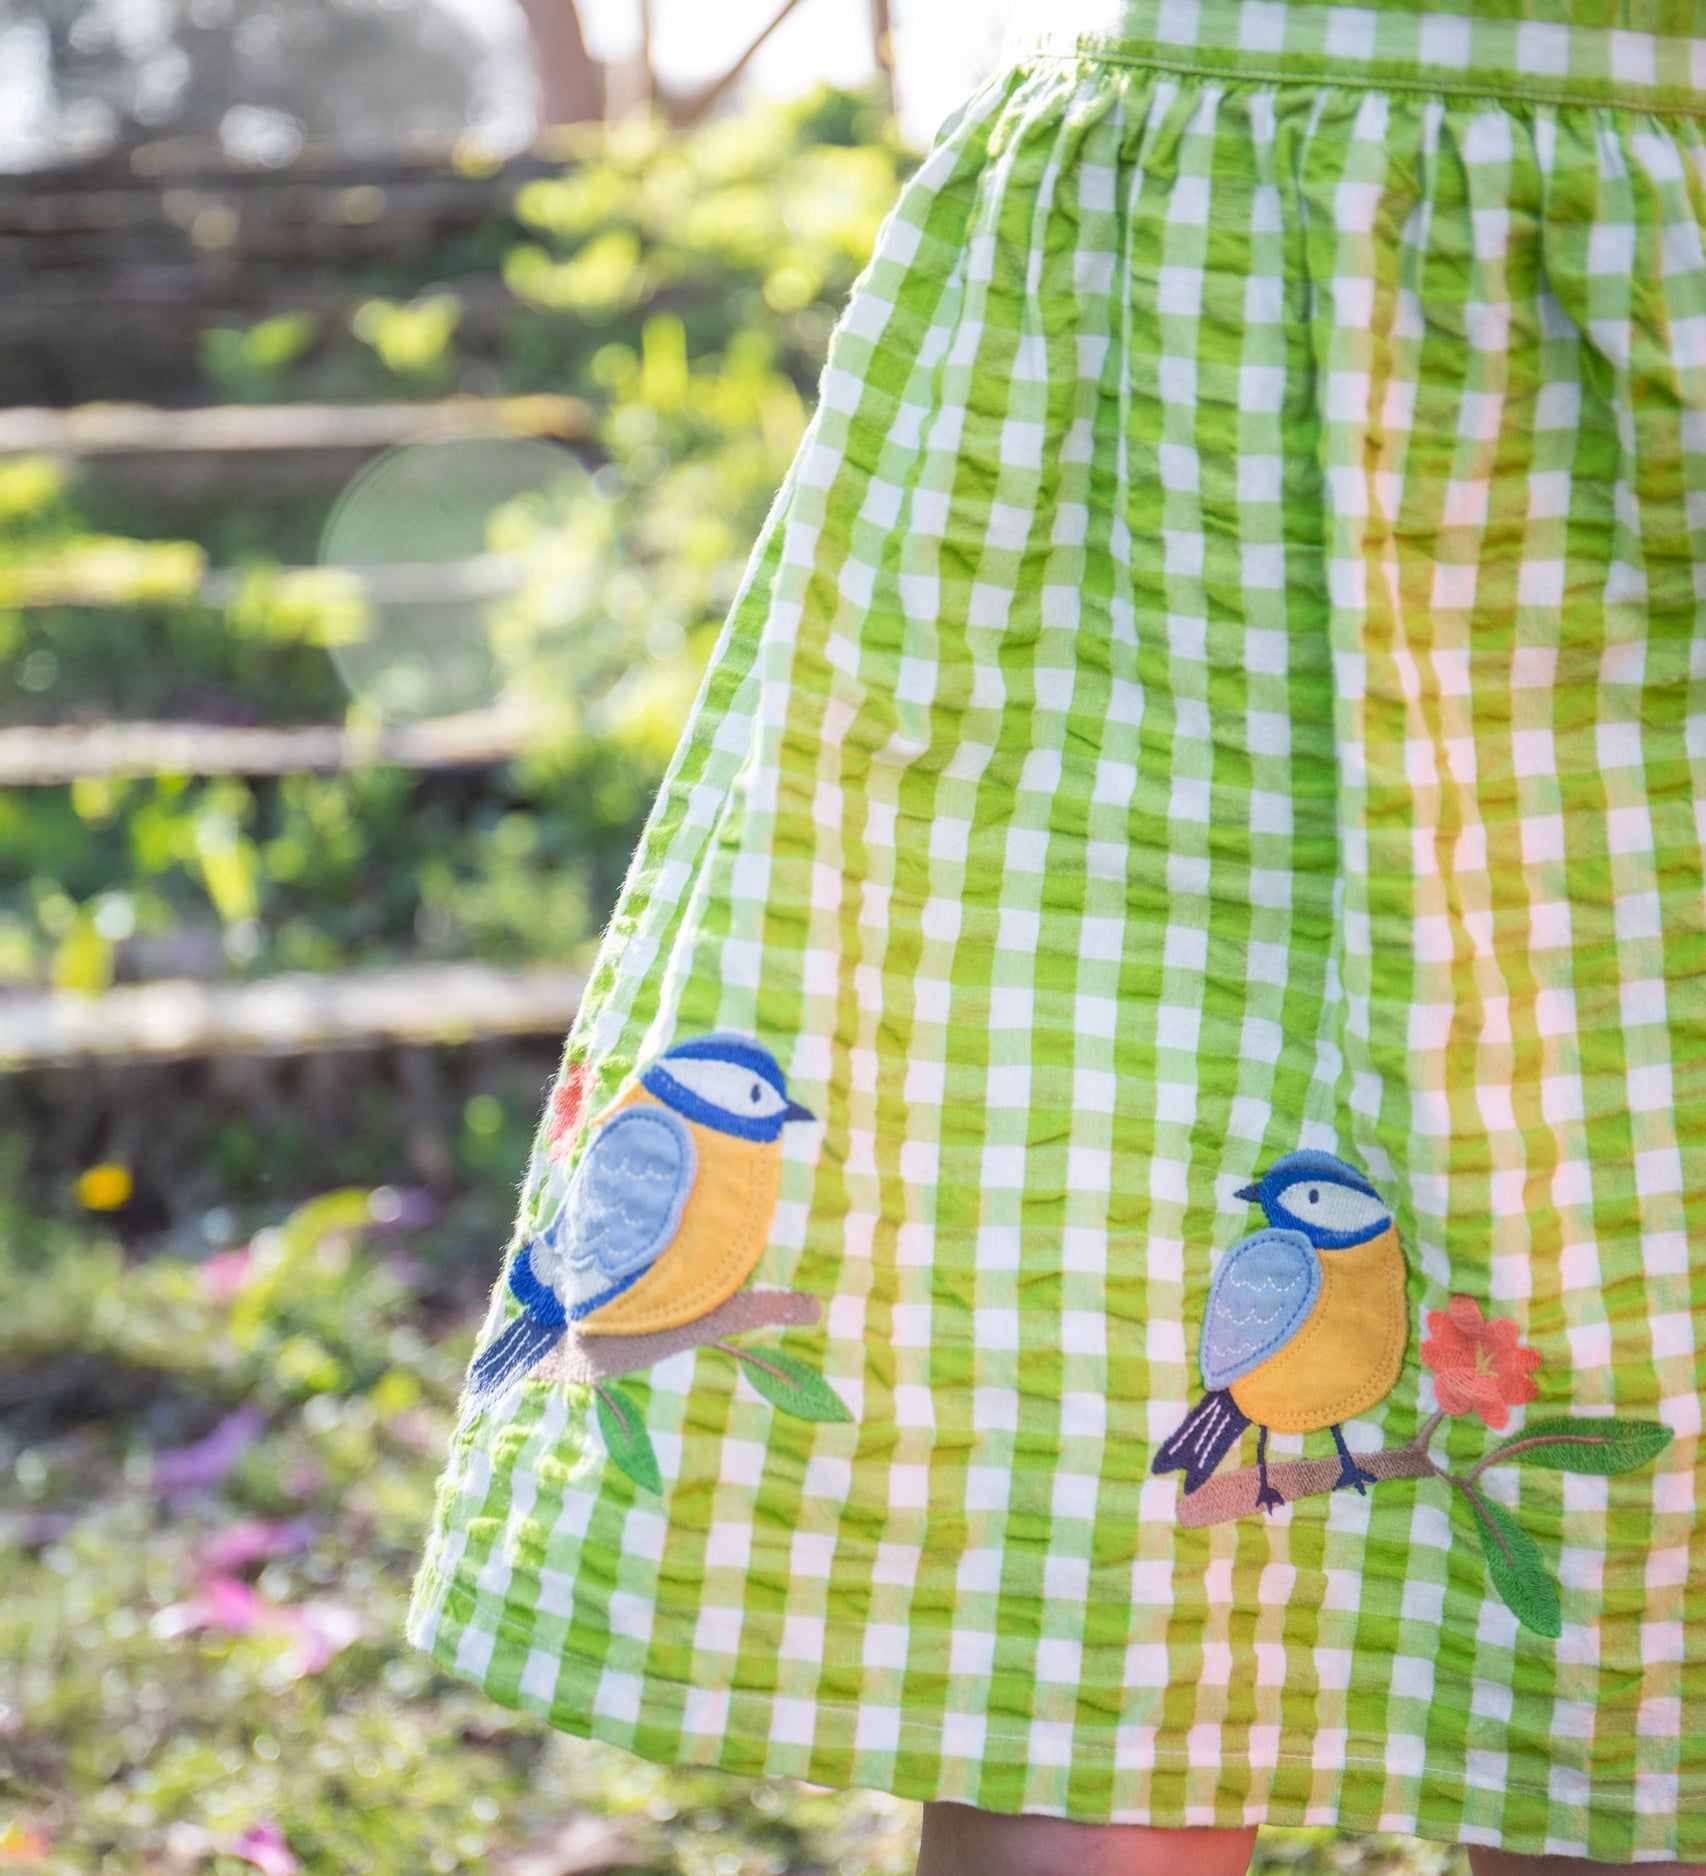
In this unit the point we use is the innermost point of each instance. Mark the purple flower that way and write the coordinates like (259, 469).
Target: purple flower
(206, 1461)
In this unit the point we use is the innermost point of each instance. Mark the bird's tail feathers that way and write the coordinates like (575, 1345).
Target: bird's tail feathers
(510, 1356)
(1208, 1433)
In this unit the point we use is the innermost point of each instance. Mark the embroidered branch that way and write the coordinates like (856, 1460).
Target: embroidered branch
(585, 1360)
(1602, 1446)
(1230, 1495)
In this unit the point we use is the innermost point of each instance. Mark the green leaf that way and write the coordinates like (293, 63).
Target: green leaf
(1517, 1568)
(1584, 1445)
(791, 1387)
(625, 1435)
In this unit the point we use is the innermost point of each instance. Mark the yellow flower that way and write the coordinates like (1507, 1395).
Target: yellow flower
(104, 1188)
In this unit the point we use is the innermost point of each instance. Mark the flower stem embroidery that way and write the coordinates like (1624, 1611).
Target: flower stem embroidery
(1480, 1367)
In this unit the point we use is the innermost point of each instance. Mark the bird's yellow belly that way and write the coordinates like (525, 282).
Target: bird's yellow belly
(1347, 1355)
(718, 1243)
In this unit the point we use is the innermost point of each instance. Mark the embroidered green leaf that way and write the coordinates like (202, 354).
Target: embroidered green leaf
(1517, 1568)
(790, 1386)
(1584, 1445)
(625, 1435)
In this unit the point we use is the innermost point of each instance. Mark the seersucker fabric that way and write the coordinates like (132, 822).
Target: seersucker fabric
(1212, 741)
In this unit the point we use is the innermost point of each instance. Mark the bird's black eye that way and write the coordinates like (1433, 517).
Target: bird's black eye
(1314, 1195)
(757, 1092)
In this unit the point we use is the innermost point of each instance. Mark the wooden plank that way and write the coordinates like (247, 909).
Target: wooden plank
(439, 202)
(150, 301)
(204, 161)
(288, 1015)
(108, 571)
(240, 429)
(49, 756)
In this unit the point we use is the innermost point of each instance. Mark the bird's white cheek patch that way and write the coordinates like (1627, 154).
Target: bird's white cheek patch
(733, 1090)
(1333, 1208)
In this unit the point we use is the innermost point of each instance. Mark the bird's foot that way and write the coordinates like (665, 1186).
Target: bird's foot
(1267, 1498)
(1350, 1473)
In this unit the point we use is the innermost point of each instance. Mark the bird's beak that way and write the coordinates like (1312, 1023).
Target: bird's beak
(794, 1111)
(1249, 1194)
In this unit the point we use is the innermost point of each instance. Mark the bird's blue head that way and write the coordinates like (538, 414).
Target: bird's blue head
(726, 1082)
(1331, 1203)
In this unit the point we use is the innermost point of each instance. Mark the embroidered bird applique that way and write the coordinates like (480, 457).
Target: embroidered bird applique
(667, 1213)
(1306, 1322)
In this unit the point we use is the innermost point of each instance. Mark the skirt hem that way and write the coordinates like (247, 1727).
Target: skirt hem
(650, 1724)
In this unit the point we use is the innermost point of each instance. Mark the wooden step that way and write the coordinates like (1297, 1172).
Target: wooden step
(288, 1015)
(242, 429)
(51, 756)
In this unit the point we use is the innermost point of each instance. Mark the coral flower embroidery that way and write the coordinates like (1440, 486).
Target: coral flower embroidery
(568, 1099)
(1478, 1365)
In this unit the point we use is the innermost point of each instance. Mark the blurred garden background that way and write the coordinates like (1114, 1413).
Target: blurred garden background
(388, 398)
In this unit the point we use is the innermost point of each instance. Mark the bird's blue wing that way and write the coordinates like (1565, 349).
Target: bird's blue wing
(1260, 1296)
(623, 1205)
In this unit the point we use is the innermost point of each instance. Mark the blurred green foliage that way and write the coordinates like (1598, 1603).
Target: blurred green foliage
(251, 364)
(683, 288)
(213, 1483)
(200, 1639)
(412, 341)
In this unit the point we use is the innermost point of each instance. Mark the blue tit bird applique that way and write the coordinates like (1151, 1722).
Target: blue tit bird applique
(667, 1213)
(1306, 1322)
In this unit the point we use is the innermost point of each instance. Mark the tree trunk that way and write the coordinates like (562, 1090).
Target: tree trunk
(882, 47)
(571, 81)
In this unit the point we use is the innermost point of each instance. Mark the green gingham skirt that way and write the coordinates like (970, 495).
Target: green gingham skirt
(1223, 675)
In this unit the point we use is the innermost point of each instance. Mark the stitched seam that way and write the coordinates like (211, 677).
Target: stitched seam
(640, 1116)
(1345, 1402)
(1352, 80)
(705, 1291)
(435, 1580)
(1283, 1336)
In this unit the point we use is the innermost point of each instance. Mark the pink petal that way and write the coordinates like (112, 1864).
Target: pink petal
(1448, 1347)
(1451, 1397)
(1516, 1388)
(234, 1603)
(1479, 1386)
(1465, 1312)
(1482, 1393)
(225, 1602)
(206, 1461)
(263, 1845)
(225, 1275)
(254, 1540)
(320, 1630)
(1501, 1335)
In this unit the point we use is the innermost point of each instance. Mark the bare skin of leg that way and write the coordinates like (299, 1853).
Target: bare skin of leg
(959, 1840)
(1502, 1863)
(962, 1841)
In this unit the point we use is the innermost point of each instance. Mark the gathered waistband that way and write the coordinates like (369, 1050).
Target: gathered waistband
(1392, 47)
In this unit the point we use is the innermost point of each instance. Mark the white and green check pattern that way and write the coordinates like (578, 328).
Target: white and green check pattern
(1222, 675)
